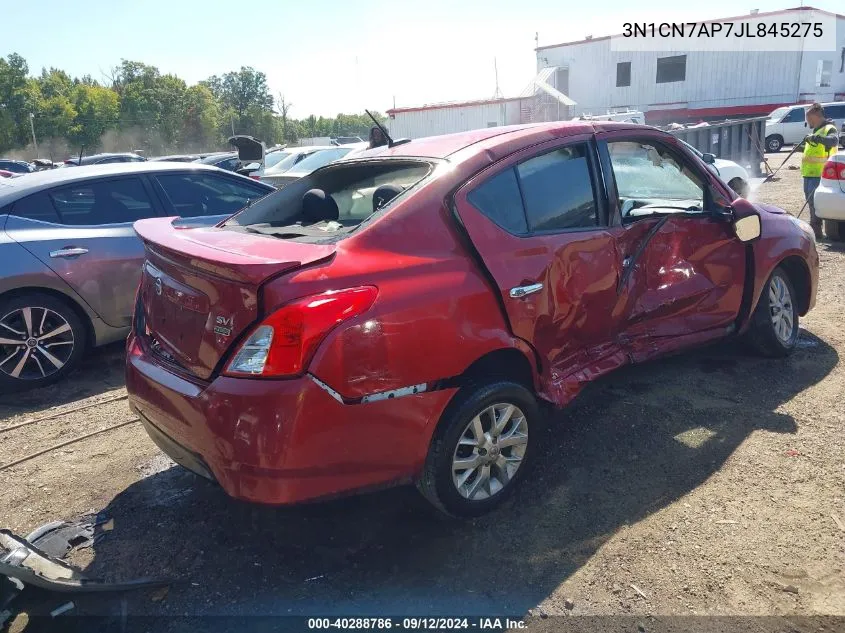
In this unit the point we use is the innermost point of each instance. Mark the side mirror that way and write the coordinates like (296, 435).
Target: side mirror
(748, 229)
(708, 158)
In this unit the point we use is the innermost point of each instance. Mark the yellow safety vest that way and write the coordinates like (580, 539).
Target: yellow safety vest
(816, 155)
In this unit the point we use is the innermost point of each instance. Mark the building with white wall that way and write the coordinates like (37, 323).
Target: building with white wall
(684, 85)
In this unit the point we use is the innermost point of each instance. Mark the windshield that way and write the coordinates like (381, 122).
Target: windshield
(270, 160)
(283, 165)
(322, 158)
(777, 115)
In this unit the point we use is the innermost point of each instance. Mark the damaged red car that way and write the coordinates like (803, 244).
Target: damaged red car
(404, 316)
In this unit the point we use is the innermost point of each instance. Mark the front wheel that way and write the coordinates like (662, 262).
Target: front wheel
(740, 186)
(774, 325)
(481, 448)
(835, 230)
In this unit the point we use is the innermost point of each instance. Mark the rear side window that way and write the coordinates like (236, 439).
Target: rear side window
(835, 112)
(196, 195)
(499, 199)
(36, 207)
(558, 190)
(102, 202)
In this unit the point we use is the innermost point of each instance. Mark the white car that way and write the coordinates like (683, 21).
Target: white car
(729, 172)
(788, 126)
(279, 161)
(829, 198)
(320, 158)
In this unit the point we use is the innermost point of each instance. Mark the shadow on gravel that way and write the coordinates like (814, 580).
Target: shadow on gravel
(101, 370)
(630, 445)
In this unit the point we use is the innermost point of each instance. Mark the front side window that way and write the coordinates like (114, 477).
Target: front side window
(796, 115)
(197, 195)
(102, 202)
(670, 69)
(650, 179)
(558, 191)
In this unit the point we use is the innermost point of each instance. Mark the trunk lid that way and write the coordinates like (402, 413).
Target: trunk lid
(200, 287)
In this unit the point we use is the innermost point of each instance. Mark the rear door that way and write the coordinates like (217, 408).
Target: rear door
(205, 198)
(84, 233)
(538, 222)
(683, 271)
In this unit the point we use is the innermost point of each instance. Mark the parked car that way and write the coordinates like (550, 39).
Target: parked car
(15, 166)
(403, 316)
(282, 161)
(222, 160)
(312, 162)
(71, 260)
(788, 125)
(104, 159)
(177, 158)
(7, 174)
(829, 198)
(731, 173)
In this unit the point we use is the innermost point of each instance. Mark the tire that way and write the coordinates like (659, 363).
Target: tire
(835, 230)
(740, 186)
(770, 335)
(774, 143)
(44, 329)
(456, 438)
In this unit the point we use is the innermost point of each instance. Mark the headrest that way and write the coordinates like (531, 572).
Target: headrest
(385, 194)
(317, 206)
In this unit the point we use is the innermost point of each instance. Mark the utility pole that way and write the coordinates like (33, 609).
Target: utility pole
(32, 127)
(232, 119)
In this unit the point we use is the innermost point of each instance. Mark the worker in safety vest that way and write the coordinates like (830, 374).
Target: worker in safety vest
(818, 148)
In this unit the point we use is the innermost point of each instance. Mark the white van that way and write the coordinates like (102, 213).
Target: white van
(787, 125)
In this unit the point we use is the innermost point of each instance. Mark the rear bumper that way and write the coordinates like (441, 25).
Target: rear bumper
(280, 441)
(829, 201)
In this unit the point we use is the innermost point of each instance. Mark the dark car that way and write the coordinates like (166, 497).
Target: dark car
(403, 316)
(15, 166)
(71, 260)
(104, 159)
(224, 160)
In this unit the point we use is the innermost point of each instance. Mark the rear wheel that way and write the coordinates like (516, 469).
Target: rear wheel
(480, 449)
(774, 143)
(41, 340)
(835, 230)
(774, 327)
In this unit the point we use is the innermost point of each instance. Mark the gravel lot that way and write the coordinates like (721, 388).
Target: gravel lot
(709, 483)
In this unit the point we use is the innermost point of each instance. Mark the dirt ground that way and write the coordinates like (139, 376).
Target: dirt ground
(710, 483)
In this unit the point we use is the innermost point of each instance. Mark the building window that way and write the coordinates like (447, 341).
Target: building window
(623, 74)
(671, 69)
(823, 72)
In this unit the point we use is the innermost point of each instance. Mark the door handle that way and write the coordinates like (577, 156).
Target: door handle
(521, 291)
(68, 252)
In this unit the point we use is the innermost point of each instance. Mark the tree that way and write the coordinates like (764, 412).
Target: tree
(201, 120)
(97, 110)
(17, 101)
(245, 95)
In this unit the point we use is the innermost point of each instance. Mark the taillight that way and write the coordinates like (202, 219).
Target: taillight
(284, 342)
(255, 177)
(833, 170)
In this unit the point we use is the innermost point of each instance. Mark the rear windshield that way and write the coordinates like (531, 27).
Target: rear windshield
(322, 158)
(274, 158)
(331, 202)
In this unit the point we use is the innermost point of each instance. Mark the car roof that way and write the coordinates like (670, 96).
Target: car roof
(12, 189)
(216, 158)
(447, 145)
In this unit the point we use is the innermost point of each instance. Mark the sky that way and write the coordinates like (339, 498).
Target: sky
(331, 56)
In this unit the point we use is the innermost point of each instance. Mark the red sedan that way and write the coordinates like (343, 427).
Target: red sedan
(403, 316)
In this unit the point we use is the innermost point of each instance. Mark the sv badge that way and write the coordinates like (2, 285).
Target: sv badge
(224, 326)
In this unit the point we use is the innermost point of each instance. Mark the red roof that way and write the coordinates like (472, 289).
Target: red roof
(452, 104)
(731, 19)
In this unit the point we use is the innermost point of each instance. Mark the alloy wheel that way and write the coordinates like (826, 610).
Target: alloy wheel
(35, 342)
(490, 451)
(780, 307)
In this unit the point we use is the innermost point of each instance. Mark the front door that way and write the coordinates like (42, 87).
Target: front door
(83, 232)
(539, 225)
(683, 270)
